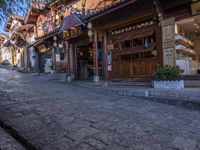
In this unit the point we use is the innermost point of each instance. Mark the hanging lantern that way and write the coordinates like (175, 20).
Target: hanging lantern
(90, 33)
(57, 17)
(89, 26)
(154, 53)
(55, 38)
(54, 44)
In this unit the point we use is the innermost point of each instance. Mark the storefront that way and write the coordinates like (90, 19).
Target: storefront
(181, 42)
(187, 45)
(131, 42)
(133, 50)
(79, 48)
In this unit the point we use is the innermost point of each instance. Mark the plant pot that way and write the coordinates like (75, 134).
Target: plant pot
(178, 84)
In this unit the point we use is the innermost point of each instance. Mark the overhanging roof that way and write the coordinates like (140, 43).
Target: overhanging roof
(98, 12)
(69, 22)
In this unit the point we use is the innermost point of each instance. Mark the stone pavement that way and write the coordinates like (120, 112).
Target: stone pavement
(57, 116)
(192, 94)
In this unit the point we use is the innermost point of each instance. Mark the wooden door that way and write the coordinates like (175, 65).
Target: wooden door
(134, 60)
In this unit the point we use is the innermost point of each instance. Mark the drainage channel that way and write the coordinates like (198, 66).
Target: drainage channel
(14, 134)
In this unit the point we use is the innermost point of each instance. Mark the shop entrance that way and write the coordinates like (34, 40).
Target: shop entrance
(134, 54)
(84, 62)
(187, 42)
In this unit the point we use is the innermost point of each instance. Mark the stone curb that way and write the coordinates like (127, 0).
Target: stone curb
(185, 94)
(8, 142)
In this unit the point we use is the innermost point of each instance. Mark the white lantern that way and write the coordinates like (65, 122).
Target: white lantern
(54, 44)
(55, 38)
(89, 25)
(57, 17)
(90, 33)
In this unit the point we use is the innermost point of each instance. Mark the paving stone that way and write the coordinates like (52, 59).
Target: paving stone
(54, 116)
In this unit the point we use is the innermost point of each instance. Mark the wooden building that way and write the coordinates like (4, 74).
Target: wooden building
(180, 32)
(117, 41)
(48, 44)
(15, 40)
(114, 39)
(132, 37)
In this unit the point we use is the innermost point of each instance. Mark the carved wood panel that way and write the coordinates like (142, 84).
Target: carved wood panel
(131, 69)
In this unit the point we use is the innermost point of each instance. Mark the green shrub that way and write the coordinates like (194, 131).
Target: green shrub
(167, 73)
(5, 62)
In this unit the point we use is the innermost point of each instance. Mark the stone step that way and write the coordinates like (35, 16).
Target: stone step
(188, 83)
(148, 84)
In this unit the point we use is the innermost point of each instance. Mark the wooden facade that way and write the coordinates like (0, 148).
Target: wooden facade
(131, 42)
(127, 38)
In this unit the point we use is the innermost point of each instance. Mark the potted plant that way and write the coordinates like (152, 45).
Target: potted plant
(168, 77)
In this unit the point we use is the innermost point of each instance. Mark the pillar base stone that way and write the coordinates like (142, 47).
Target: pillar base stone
(96, 79)
(70, 78)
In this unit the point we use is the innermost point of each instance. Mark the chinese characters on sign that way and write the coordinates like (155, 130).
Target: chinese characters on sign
(168, 30)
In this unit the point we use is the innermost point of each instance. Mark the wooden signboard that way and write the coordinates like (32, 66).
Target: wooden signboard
(168, 36)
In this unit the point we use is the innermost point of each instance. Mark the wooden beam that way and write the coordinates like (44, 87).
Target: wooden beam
(129, 20)
(174, 3)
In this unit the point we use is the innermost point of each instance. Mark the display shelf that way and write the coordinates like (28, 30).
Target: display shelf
(184, 49)
(184, 41)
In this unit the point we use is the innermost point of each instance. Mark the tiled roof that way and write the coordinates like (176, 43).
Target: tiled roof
(93, 12)
(70, 21)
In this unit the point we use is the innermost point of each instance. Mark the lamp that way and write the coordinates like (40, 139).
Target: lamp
(54, 44)
(89, 26)
(55, 38)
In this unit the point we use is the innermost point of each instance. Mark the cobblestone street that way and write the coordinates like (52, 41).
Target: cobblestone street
(50, 115)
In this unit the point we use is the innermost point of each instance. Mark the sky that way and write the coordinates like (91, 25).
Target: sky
(20, 12)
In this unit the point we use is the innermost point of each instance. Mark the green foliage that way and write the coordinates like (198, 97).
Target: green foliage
(10, 7)
(167, 73)
(5, 62)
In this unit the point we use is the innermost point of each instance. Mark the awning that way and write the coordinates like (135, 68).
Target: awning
(70, 21)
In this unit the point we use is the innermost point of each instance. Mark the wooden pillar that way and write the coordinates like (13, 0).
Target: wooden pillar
(96, 65)
(197, 49)
(66, 47)
(54, 58)
(71, 62)
(159, 45)
(105, 56)
(96, 52)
